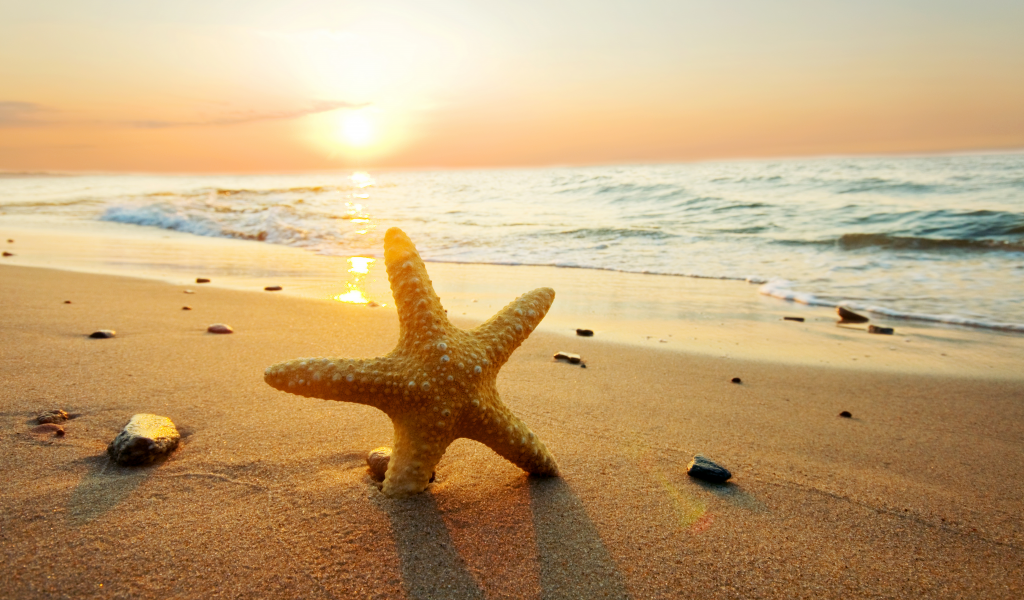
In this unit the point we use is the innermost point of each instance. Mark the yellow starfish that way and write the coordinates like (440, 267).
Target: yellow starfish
(438, 384)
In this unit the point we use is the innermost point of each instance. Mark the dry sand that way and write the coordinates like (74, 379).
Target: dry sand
(920, 494)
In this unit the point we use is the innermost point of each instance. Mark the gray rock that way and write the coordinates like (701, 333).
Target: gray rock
(52, 416)
(569, 356)
(144, 439)
(702, 468)
(220, 328)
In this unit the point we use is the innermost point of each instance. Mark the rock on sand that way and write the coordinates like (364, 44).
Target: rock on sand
(144, 439)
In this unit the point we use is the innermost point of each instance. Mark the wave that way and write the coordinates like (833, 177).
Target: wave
(856, 241)
(782, 289)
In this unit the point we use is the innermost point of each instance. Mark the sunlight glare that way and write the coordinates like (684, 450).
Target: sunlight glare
(357, 130)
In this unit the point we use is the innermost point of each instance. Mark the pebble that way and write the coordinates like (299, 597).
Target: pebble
(53, 428)
(186, 308)
(374, 304)
(569, 356)
(702, 468)
(144, 439)
(220, 328)
(378, 460)
(189, 291)
(799, 319)
(273, 288)
(103, 334)
(67, 302)
(10, 241)
(585, 332)
(881, 330)
(848, 316)
(846, 414)
(202, 280)
(737, 380)
(8, 253)
(52, 416)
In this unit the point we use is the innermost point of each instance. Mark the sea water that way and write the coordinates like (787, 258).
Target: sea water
(932, 238)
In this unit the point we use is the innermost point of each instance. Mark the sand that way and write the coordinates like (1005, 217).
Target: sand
(918, 495)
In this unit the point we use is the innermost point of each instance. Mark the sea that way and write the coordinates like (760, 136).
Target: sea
(929, 238)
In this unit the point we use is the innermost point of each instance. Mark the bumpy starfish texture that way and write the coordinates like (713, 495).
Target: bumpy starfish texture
(438, 384)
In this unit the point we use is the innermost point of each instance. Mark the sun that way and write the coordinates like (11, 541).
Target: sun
(357, 130)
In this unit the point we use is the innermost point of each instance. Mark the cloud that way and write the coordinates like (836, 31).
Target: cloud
(249, 117)
(14, 113)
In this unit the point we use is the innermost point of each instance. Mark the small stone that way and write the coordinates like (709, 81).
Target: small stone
(737, 380)
(186, 308)
(67, 302)
(220, 328)
(8, 253)
(702, 468)
(378, 460)
(848, 316)
(583, 365)
(569, 356)
(202, 280)
(10, 241)
(375, 304)
(189, 291)
(53, 428)
(52, 416)
(798, 319)
(585, 332)
(103, 334)
(881, 330)
(845, 414)
(273, 288)
(144, 439)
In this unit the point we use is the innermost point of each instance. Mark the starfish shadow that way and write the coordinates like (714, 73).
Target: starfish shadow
(574, 562)
(430, 563)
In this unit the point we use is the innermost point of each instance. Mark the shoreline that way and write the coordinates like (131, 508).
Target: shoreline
(723, 318)
(269, 492)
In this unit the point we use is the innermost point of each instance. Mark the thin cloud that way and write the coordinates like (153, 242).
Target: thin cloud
(14, 113)
(240, 119)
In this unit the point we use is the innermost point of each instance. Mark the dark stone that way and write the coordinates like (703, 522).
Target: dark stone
(702, 468)
(67, 302)
(186, 308)
(881, 330)
(10, 241)
(569, 356)
(585, 332)
(220, 328)
(378, 460)
(8, 254)
(846, 414)
(583, 366)
(799, 319)
(737, 380)
(143, 440)
(202, 280)
(273, 288)
(52, 416)
(848, 316)
(103, 334)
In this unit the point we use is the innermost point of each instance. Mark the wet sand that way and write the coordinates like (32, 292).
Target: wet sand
(917, 495)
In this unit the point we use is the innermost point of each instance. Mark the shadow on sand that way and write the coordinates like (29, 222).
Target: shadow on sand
(104, 486)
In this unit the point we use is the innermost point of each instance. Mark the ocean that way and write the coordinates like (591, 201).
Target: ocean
(932, 238)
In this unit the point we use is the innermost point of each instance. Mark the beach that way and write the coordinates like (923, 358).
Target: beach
(268, 495)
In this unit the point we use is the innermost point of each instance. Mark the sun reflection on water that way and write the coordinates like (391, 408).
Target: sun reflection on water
(359, 267)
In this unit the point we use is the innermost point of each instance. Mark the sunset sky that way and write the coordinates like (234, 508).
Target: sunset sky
(271, 85)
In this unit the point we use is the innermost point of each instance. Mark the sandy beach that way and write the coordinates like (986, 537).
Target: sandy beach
(916, 495)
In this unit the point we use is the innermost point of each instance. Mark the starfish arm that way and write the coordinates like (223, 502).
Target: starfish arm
(506, 330)
(416, 451)
(374, 382)
(420, 314)
(496, 427)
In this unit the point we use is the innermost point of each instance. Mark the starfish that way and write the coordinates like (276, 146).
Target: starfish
(438, 384)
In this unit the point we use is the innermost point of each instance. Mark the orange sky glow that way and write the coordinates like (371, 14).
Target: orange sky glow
(275, 86)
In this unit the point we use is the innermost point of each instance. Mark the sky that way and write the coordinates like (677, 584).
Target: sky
(307, 85)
